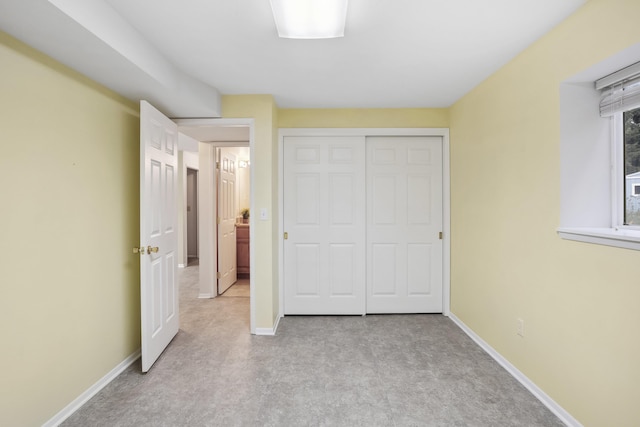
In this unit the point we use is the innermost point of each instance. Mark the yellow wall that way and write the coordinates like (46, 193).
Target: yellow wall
(579, 301)
(264, 189)
(69, 284)
(364, 118)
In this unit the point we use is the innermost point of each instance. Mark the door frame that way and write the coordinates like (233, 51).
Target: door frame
(365, 132)
(207, 236)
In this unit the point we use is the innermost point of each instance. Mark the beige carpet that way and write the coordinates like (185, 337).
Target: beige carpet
(238, 289)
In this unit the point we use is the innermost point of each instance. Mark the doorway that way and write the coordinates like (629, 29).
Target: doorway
(192, 216)
(233, 236)
(212, 134)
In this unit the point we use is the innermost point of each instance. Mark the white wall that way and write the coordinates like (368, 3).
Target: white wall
(243, 184)
(207, 251)
(243, 179)
(186, 159)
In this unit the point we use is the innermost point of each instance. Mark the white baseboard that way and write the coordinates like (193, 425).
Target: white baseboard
(543, 397)
(91, 391)
(269, 331)
(181, 266)
(204, 296)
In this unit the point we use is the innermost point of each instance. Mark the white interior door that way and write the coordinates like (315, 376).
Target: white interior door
(404, 221)
(227, 208)
(158, 236)
(324, 218)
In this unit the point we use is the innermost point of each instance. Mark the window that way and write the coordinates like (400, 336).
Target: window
(631, 123)
(621, 101)
(600, 153)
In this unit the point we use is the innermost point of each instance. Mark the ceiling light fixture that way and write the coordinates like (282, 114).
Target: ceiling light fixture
(310, 19)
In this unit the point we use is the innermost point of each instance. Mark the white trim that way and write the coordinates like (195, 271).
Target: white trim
(364, 132)
(269, 331)
(205, 296)
(543, 397)
(446, 225)
(72, 407)
(616, 143)
(280, 223)
(181, 266)
(252, 228)
(626, 238)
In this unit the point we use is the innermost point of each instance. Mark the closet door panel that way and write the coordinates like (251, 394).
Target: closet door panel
(324, 220)
(404, 212)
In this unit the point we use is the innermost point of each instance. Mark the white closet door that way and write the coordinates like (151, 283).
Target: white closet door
(324, 218)
(404, 219)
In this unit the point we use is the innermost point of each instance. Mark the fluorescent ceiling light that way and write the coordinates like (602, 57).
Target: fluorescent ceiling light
(310, 19)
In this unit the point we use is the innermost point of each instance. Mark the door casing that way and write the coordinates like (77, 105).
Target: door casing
(365, 132)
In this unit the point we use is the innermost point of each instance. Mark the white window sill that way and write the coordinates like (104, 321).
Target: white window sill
(618, 237)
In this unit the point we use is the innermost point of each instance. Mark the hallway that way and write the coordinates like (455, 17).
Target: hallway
(392, 370)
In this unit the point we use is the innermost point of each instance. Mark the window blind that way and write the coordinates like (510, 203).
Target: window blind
(620, 91)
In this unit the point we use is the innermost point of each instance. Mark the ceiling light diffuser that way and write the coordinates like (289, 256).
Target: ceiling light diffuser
(309, 19)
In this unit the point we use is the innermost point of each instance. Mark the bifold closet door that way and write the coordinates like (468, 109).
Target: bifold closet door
(324, 221)
(404, 221)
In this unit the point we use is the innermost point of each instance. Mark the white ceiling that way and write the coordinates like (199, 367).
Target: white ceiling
(395, 53)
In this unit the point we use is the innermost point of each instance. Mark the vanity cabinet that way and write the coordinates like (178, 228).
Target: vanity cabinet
(242, 249)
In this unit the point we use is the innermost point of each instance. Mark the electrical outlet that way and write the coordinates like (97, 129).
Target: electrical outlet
(520, 327)
(263, 214)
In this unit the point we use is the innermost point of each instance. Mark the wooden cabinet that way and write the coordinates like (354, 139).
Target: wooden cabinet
(242, 250)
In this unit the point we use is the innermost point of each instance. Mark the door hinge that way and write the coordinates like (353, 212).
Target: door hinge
(286, 235)
(218, 275)
(217, 165)
(440, 235)
(218, 220)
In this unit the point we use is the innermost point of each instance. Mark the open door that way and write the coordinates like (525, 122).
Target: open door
(227, 208)
(158, 232)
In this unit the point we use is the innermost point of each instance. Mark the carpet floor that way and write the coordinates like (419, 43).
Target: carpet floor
(238, 289)
(386, 370)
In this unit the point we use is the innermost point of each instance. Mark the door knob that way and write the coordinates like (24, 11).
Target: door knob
(139, 250)
(154, 249)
